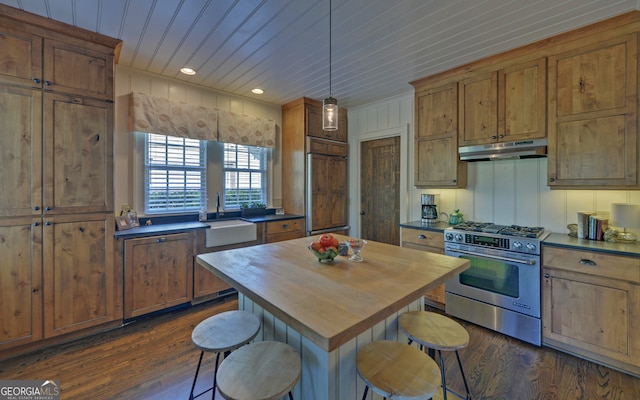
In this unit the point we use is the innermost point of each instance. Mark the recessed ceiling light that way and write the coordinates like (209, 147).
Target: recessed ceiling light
(188, 71)
(257, 91)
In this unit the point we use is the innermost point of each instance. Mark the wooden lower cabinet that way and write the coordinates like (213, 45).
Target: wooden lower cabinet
(20, 281)
(591, 306)
(431, 241)
(158, 273)
(285, 230)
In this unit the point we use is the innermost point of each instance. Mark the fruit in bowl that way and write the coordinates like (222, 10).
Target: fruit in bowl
(326, 248)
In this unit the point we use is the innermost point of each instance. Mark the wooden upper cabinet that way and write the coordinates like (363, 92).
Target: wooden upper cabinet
(21, 151)
(314, 123)
(78, 155)
(328, 200)
(20, 57)
(593, 115)
(504, 105)
(522, 101)
(436, 138)
(78, 70)
(479, 109)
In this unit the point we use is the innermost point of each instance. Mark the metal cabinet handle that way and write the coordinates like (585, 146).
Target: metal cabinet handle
(36, 80)
(552, 179)
(36, 224)
(494, 137)
(422, 237)
(547, 275)
(160, 240)
(47, 223)
(285, 226)
(47, 208)
(48, 83)
(36, 208)
(585, 261)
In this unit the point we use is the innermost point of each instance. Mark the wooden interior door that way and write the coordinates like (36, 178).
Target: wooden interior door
(380, 190)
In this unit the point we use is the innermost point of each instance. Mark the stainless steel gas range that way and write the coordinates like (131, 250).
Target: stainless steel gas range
(501, 288)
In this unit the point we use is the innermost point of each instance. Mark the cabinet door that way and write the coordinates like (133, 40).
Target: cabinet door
(78, 70)
(79, 281)
(158, 273)
(285, 230)
(478, 113)
(314, 124)
(595, 316)
(592, 116)
(522, 101)
(21, 151)
(78, 154)
(20, 281)
(436, 138)
(20, 57)
(328, 187)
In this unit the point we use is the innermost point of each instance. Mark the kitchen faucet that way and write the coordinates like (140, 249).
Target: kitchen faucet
(217, 205)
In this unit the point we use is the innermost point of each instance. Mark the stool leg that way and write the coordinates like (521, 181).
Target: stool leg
(290, 396)
(366, 390)
(444, 380)
(215, 377)
(464, 379)
(196, 376)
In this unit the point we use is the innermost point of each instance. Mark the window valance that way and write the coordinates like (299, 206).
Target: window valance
(243, 129)
(167, 117)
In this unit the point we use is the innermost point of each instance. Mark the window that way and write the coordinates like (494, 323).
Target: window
(245, 175)
(175, 174)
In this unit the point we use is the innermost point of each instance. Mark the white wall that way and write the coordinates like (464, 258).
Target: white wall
(503, 192)
(128, 80)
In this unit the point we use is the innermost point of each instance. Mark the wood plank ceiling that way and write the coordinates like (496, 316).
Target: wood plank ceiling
(282, 46)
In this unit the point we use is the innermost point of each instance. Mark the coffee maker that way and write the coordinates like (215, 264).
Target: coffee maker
(430, 208)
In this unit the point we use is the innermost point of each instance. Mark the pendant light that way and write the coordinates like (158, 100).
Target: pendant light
(330, 105)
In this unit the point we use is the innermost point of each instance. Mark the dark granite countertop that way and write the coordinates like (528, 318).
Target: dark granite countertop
(566, 241)
(179, 227)
(435, 227)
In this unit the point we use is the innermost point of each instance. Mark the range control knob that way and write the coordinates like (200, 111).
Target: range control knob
(517, 245)
(459, 237)
(531, 247)
(448, 236)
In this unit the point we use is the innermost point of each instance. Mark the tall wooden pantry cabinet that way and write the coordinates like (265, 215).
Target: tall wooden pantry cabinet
(315, 167)
(56, 206)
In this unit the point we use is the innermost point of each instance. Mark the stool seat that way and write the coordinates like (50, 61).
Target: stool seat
(222, 333)
(433, 330)
(226, 331)
(259, 371)
(397, 371)
(437, 332)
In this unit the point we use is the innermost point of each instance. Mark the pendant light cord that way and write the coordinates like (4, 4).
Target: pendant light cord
(330, 91)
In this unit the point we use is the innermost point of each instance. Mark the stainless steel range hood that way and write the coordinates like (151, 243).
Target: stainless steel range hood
(505, 150)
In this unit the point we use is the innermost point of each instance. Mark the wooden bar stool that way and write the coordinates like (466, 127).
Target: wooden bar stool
(397, 371)
(436, 332)
(223, 333)
(259, 371)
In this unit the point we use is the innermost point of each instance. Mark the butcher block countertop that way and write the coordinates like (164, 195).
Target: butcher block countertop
(331, 303)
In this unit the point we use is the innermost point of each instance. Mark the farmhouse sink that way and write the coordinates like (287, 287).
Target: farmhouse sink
(230, 231)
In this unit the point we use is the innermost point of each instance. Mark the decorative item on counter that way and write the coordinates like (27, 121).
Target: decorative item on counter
(253, 209)
(583, 224)
(356, 246)
(611, 235)
(573, 230)
(455, 217)
(326, 248)
(625, 216)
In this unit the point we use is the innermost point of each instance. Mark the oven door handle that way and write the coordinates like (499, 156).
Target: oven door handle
(526, 262)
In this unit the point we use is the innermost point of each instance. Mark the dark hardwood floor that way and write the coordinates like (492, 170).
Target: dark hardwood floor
(154, 359)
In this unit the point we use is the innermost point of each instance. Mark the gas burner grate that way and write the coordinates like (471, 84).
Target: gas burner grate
(508, 230)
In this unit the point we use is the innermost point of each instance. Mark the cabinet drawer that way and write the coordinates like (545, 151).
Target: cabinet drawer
(423, 238)
(319, 146)
(592, 263)
(289, 225)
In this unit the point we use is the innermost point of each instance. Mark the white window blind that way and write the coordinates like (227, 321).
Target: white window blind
(175, 174)
(245, 175)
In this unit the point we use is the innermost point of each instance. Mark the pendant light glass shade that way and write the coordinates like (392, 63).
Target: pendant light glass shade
(330, 114)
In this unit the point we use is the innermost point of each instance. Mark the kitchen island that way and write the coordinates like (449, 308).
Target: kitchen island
(327, 311)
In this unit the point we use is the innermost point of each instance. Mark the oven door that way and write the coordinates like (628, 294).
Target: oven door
(498, 278)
